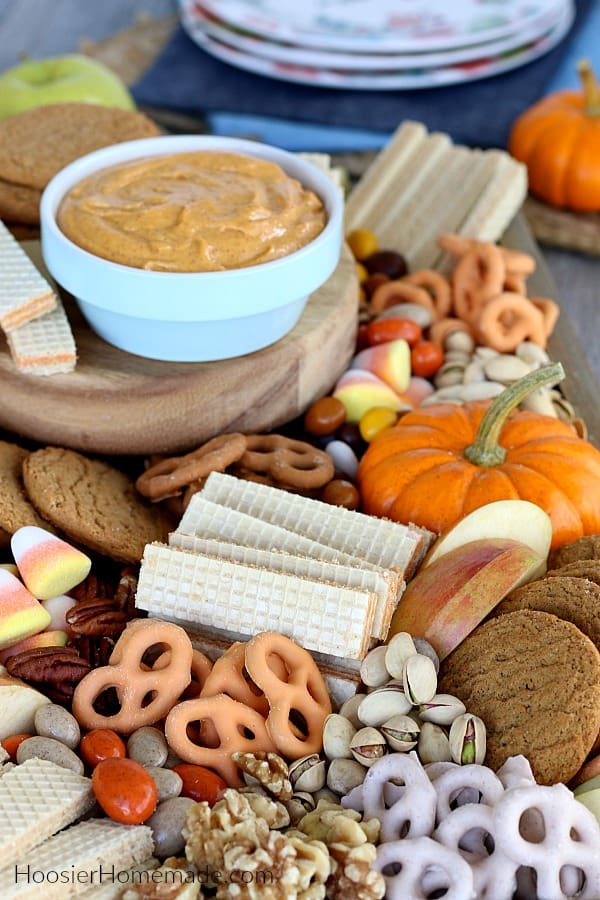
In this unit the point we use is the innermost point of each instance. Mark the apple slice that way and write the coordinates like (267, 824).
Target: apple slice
(592, 784)
(43, 639)
(518, 520)
(449, 598)
(18, 705)
(591, 800)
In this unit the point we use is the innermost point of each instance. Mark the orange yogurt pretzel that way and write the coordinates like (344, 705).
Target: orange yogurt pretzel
(400, 291)
(509, 319)
(515, 260)
(550, 312)
(437, 286)
(227, 677)
(301, 692)
(477, 277)
(168, 477)
(292, 463)
(236, 727)
(439, 330)
(515, 283)
(145, 694)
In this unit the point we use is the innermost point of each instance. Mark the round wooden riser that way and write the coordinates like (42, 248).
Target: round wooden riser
(117, 403)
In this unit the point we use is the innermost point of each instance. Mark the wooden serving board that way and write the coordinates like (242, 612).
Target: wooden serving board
(117, 403)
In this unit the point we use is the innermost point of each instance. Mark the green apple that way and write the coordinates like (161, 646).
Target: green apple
(61, 79)
(592, 784)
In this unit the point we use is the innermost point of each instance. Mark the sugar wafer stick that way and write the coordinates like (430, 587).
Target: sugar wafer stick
(44, 346)
(384, 585)
(379, 541)
(189, 588)
(498, 203)
(37, 798)
(84, 851)
(24, 292)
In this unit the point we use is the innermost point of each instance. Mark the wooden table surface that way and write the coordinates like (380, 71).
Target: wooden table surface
(41, 28)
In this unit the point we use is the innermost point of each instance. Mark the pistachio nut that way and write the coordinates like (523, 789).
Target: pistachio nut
(419, 679)
(482, 352)
(344, 774)
(444, 395)
(412, 311)
(449, 374)
(532, 354)
(383, 703)
(481, 390)
(505, 368)
(372, 669)
(426, 649)
(368, 745)
(308, 773)
(564, 409)
(474, 372)
(467, 740)
(539, 401)
(399, 648)
(326, 794)
(433, 745)
(349, 709)
(442, 709)
(459, 339)
(401, 733)
(299, 805)
(338, 731)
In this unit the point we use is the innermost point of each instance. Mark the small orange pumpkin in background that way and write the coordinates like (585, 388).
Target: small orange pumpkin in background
(558, 139)
(441, 462)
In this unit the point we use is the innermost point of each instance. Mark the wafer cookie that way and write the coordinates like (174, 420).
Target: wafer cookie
(139, 874)
(86, 853)
(203, 518)
(24, 293)
(44, 346)
(190, 588)
(379, 541)
(389, 164)
(38, 798)
(499, 202)
(383, 584)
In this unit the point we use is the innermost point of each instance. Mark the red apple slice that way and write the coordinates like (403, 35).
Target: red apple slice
(43, 639)
(518, 520)
(449, 598)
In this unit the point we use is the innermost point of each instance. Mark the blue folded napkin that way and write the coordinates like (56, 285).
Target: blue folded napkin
(480, 113)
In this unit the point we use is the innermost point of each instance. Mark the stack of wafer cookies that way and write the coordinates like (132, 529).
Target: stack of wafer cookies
(247, 557)
(421, 185)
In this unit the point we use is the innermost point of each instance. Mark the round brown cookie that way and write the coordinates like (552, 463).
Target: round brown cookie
(36, 143)
(586, 547)
(19, 203)
(15, 508)
(534, 679)
(575, 599)
(92, 503)
(581, 568)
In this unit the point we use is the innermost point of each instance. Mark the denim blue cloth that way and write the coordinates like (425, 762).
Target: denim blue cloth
(301, 117)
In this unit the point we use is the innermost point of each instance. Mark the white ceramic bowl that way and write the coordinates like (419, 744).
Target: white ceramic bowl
(191, 316)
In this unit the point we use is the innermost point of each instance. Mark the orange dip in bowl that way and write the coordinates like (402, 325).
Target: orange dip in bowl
(202, 211)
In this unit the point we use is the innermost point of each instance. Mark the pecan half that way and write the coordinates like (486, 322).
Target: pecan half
(97, 616)
(96, 650)
(52, 670)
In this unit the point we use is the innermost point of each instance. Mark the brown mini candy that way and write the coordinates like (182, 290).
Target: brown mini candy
(324, 416)
(387, 261)
(340, 492)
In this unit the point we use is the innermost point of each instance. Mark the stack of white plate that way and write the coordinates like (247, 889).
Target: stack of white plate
(377, 44)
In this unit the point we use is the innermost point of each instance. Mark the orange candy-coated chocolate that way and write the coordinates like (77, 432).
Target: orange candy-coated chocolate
(200, 783)
(125, 790)
(99, 744)
(324, 416)
(11, 744)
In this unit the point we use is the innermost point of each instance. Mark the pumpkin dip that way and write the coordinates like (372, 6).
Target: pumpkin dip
(204, 211)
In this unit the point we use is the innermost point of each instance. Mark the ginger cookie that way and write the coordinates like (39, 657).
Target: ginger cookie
(534, 679)
(581, 568)
(15, 508)
(586, 547)
(93, 503)
(19, 203)
(575, 599)
(37, 143)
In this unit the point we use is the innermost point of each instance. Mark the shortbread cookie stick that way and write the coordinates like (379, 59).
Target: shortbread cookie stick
(383, 585)
(188, 588)
(24, 293)
(44, 346)
(379, 541)
(37, 799)
(86, 852)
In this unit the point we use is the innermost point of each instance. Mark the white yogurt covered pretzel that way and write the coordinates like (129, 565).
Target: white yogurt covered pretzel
(425, 867)
(413, 813)
(470, 784)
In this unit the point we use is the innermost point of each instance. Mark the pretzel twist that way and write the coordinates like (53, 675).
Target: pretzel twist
(437, 286)
(478, 276)
(290, 463)
(227, 677)
(168, 477)
(133, 681)
(423, 867)
(236, 729)
(508, 319)
(400, 291)
(302, 690)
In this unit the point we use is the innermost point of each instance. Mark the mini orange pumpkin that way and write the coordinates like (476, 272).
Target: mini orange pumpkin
(441, 462)
(558, 139)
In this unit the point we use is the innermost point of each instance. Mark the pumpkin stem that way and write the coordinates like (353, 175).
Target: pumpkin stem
(591, 88)
(485, 449)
